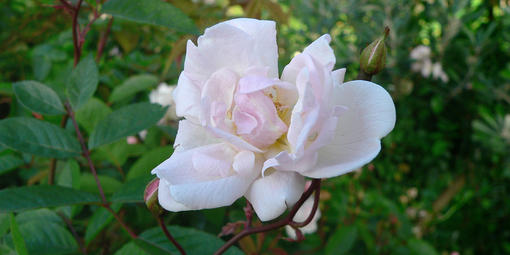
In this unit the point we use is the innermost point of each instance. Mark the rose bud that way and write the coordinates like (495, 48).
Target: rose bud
(373, 57)
(150, 197)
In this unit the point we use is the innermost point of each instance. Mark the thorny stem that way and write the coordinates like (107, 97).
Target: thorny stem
(315, 186)
(169, 236)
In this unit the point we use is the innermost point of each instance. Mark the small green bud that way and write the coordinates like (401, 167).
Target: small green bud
(150, 197)
(373, 57)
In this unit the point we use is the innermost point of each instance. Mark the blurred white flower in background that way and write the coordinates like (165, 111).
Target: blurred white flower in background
(424, 65)
(506, 127)
(163, 95)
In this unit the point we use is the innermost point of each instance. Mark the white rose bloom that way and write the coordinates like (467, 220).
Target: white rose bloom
(249, 133)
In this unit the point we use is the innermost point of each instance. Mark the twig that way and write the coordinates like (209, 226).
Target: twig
(121, 222)
(85, 151)
(73, 231)
(248, 211)
(76, 32)
(102, 41)
(312, 213)
(315, 186)
(169, 236)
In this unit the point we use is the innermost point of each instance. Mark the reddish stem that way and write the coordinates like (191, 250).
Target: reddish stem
(315, 186)
(169, 236)
(121, 222)
(76, 33)
(85, 151)
(102, 41)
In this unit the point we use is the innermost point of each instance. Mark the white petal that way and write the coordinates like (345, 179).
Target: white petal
(271, 195)
(199, 164)
(190, 135)
(187, 98)
(244, 162)
(338, 76)
(167, 201)
(264, 31)
(211, 194)
(236, 45)
(322, 52)
(370, 116)
(203, 177)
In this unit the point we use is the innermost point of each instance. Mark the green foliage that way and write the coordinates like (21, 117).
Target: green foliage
(38, 137)
(153, 241)
(132, 86)
(342, 240)
(151, 12)
(37, 97)
(42, 196)
(17, 237)
(127, 121)
(8, 163)
(52, 237)
(83, 82)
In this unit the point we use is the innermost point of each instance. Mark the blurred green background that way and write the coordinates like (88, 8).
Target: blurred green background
(441, 184)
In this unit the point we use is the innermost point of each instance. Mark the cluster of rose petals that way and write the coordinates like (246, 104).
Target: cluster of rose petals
(248, 132)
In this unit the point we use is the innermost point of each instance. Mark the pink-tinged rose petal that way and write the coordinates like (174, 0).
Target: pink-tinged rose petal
(269, 127)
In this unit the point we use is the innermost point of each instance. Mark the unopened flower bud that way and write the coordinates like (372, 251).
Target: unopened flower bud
(150, 197)
(373, 57)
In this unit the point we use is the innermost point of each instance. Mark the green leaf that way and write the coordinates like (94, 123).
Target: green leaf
(131, 249)
(38, 137)
(125, 121)
(109, 184)
(70, 175)
(9, 162)
(144, 165)
(132, 86)
(17, 237)
(132, 191)
(153, 12)
(91, 113)
(43, 215)
(6, 250)
(420, 247)
(5, 223)
(169, 130)
(83, 82)
(99, 220)
(37, 97)
(47, 238)
(193, 241)
(33, 197)
(342, 240)
(117, 153)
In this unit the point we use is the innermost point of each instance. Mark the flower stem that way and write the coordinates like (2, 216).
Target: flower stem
(169, 236)
(315, 186)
